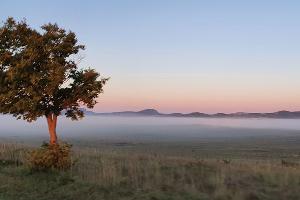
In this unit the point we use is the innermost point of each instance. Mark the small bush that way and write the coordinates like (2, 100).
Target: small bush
(50, 156)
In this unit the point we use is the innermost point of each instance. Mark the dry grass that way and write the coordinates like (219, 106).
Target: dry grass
(152, 176)
(217, 178)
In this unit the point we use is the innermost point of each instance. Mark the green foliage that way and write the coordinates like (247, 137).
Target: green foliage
(54, 156)
(39, 74)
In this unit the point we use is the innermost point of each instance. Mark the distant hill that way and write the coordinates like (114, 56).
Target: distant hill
(153, 112)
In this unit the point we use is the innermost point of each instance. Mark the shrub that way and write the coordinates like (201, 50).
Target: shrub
(49, 156)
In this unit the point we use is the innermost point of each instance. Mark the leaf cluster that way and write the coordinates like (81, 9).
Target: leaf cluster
(39, 75)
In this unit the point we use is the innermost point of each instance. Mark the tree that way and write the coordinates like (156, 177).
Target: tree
(39, 75)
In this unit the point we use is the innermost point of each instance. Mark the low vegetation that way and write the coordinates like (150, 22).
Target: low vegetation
(50, 157)
(111, 174)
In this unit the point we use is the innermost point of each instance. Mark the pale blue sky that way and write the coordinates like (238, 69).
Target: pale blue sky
(183, 55)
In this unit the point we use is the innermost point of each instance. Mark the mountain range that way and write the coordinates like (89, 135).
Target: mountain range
(155, 113)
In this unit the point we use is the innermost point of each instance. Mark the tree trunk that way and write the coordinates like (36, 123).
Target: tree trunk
(52, 121)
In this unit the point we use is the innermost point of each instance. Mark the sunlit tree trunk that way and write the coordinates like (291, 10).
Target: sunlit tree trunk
(52, 121)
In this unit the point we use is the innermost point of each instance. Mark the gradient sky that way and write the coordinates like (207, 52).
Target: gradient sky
(183, 56)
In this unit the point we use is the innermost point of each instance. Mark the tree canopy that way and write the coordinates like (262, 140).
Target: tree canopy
(39, 75)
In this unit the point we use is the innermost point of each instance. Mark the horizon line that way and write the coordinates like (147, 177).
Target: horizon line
(157, 110)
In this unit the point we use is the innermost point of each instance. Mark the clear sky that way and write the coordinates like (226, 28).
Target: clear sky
(183, 55)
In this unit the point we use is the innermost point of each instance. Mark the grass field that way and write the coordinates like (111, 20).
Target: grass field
(119, 172)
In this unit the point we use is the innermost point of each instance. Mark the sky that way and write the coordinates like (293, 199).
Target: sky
(182, 55)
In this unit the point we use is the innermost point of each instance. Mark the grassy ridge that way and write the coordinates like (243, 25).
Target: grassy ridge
(108, 174)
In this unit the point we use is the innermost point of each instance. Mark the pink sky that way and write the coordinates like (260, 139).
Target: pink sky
(209, 94)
